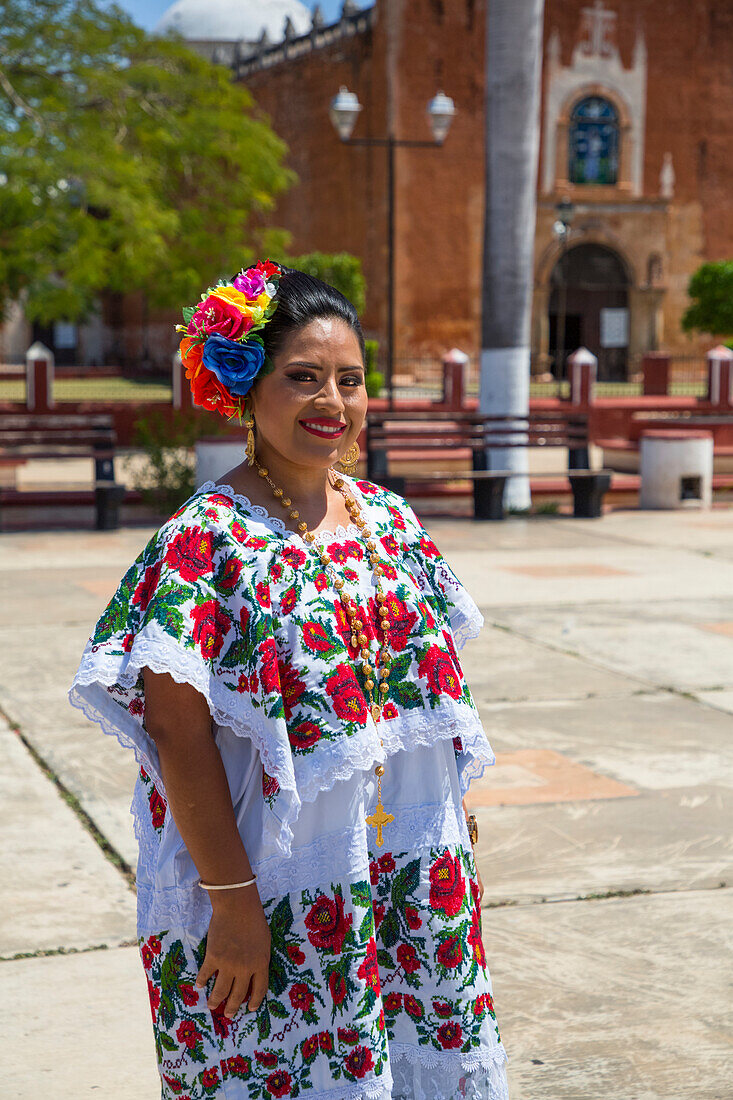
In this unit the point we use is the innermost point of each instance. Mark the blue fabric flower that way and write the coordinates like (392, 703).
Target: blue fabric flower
(235, 365)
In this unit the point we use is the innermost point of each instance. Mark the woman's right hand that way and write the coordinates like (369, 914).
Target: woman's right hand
(238, 948)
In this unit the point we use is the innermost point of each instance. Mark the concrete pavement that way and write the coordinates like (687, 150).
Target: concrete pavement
(605, 681)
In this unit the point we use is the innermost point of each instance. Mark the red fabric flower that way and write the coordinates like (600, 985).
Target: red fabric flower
(291, 686)
(304, 736)
(266, 1058)
(315, 637)
(301, 996)
(239, 531)
(230, 574)
(216, 317)
(147, 956)
(389, 710)
(450, 646)
(327, 923)
(154, 997)
(158, 807)
(475, 940)
(243, 682)
(412, 917)
(397, 520)
(263, 593)
(189, 995)
(386, 863)
(287, 602)
(407, 958)
(428, 547)
(450, 1036)
(390, 544)
(173, 1083)
(270, 785)
(321, 581)
(145, 591)
(221, 1023)
(239, 1066)
(368, 487)
(413, 1006)
(295, 954)
(401, 621)
(447, 885)
(279, 1083)
(188, 1034)
(374, 872)
(442, 1008)
(392, 1003)
(340, 552)
(450, 953)
(489, 1002)
(348, 1035)
(348, 699)
(325, 1040)
(359, 1062)
(309, 1048)
(136, 706)
(293, 557)
(379, 912)
(437, 667)
(268, 666)
(276, 572)
(190, 553)
(127, 642)
(369, 971)
(155, 945)
(337, 987)
(211, 625)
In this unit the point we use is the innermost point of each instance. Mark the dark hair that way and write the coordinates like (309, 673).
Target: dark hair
(301, 299)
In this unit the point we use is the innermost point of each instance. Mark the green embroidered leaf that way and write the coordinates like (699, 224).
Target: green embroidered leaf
(277, 1008)
(199, 953)
(389, 929)
(408, 695)
(405, 882)
(166, 1042)
(385, 960)
(400, 666)
(366, 928)
(263, 1021)
(237, 654)
(361, 894)
(278, 973)
(281, 920)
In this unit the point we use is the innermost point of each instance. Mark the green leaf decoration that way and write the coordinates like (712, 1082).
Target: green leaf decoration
(166, 1042)
(384, 959)
(277, 1008)
(263, 1022)
(389, 929)
(408, 695)
(281, 921)
(278, 973)
(188, 312)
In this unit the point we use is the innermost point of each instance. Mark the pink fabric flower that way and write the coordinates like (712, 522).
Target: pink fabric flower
(216, 317)
(251, 283)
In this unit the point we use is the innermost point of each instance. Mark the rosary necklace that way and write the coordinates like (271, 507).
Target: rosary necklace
(376, 676)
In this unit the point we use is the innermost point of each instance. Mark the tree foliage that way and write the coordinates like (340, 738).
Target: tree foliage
(340, 269)
(127, 162)
(711, 291)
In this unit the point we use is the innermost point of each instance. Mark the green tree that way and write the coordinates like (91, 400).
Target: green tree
(711, 291)
(127, 162)
(340, 269)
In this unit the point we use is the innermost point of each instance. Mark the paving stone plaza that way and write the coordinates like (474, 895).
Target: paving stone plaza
(604, 676)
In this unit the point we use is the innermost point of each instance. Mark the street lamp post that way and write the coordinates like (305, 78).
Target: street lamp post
(344, 111)
(565, 213)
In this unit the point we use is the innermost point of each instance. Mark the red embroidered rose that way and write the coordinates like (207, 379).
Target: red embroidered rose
(379, 912)
(243, 682)
(189, 995)
(221, 1023)
(147, 956)
(155, 945)
(127, 642)
(475, 940)
(380, 1021)
(450, 1036)
(325, 1040)
(239, 1066)
(190, 553)
(407, 958)
(426, 614)
(304, 736)
(230, 574)
(291, 686)
(390, 544)
(401, 621)
(389, 710)
(457, 746)
(447, 885)
(348, 1035)
(238, 531)
(342, 551)
(188, 1034)
(295, 954)
(438, 669)
(244, 614)
(327, 923)
(389, 571)
(413, 1006)
(428, 547)
(293, 557)
(392, 1003)
(145, 591)
(136, 706)
(301, 996)
(367, 487)
(254, 683)
(266, 1058)
(276, 571)
(449, 645)
(442, 1008)
(154, 996)
(374, 872)
(489, 1002)
(369, 971)
(386, 863)
(279, 1083)
(320, 581)
(475, 892)
(158, 807)
(173, 1083)
(337, 987)
(211, 625)
(316, 638)
(309, 1048)
(348, 699)
(359, 1062)
(287, 603)
(450, 953)
(263, 593)
(268, 665)
(478, 1006)
(270, 785)
(412, 917)
(256, 542)
(397, 520)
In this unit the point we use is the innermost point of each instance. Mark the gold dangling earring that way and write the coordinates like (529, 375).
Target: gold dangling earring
(347, 464)
(249, 449)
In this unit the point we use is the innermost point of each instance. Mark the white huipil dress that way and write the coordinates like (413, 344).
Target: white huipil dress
(378, 980)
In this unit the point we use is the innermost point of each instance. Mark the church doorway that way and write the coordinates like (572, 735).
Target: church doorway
(589, 307)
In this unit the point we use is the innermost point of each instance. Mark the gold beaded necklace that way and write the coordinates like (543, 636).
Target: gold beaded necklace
(375, 678)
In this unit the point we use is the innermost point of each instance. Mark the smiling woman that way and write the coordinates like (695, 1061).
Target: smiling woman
(309, 904)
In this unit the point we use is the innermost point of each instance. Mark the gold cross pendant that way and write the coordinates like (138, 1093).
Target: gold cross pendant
(378, 820)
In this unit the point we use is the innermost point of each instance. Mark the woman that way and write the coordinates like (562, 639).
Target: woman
(282, 659)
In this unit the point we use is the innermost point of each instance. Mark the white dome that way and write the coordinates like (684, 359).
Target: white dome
(233, 20)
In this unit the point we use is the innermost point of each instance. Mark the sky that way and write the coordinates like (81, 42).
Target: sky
(148, 12)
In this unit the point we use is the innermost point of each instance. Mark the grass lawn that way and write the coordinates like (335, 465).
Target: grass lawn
(94, 389)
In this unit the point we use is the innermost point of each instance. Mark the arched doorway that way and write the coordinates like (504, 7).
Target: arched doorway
(589, 308)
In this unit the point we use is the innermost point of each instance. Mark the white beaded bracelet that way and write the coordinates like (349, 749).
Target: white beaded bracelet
(231, 886)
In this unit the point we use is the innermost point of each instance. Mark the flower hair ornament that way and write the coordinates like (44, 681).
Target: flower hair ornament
(222, 350)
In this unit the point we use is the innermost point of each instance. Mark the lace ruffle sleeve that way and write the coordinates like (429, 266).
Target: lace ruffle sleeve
(196, 605)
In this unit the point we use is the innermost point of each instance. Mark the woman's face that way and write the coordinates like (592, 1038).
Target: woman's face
(310, 409)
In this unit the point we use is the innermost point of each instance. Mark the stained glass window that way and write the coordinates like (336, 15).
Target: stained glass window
(593, 151)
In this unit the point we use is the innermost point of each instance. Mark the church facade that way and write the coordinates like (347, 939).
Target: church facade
(636, 158)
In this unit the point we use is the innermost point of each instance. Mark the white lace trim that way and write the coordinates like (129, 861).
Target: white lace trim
(340, 532)
(421, 1073)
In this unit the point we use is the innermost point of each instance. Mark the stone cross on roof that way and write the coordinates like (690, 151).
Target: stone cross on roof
(597, 25)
